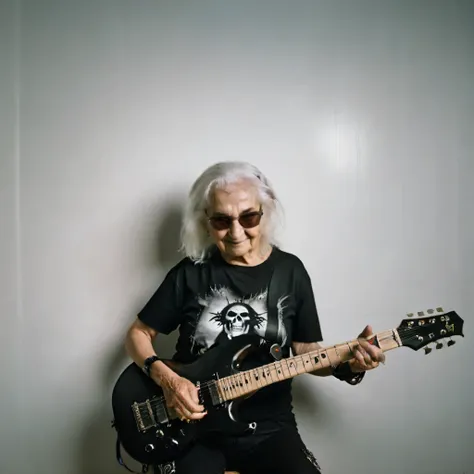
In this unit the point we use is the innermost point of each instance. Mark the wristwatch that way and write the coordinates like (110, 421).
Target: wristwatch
(344, 373)
(147, 364)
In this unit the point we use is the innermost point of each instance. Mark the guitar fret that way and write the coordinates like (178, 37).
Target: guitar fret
(265, 375)
(232, 386)
(291, 367)
(314, 360)
(247, 380)
(256, 378)
(240, 383)
(273, 373)
(279, 371)
(235, 387)
(299, 366)
(261, 377)
(227, 388)
(328, 358)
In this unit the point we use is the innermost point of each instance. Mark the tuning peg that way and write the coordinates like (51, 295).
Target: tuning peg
(451, 343)
(439, 345)
(440, 310)
(420, 313)
(430, 311)
(428, 349)
(410, 315)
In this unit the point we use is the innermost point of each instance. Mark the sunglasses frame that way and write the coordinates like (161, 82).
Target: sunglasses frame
(231, 219)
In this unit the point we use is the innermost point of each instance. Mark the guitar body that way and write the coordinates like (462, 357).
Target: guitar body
(150, 435)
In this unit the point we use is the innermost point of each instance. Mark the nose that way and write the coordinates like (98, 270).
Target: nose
(235, 230)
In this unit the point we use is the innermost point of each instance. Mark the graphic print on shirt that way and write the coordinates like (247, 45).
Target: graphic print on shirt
(225, 315)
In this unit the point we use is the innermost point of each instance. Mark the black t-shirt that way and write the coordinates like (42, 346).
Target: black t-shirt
(214, 301)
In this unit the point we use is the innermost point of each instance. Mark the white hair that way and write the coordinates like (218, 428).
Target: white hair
(195, 240)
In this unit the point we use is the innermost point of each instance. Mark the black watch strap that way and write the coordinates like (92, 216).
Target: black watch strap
(344, 373)
(147, 364)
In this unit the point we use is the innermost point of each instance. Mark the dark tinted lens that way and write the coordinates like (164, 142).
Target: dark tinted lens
(221, 222)
(252, 219)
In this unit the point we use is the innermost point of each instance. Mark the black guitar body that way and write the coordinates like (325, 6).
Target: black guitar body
(150, 435)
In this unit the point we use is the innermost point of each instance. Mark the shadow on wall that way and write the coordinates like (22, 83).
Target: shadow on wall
(97, 449)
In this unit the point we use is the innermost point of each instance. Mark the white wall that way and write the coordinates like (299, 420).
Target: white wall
(367, 106)
(11, 320)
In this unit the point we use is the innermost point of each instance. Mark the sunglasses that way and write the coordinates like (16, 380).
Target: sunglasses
(247, 220)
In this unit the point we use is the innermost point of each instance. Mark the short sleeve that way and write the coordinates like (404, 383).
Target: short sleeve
(307, 327)
(163, 312)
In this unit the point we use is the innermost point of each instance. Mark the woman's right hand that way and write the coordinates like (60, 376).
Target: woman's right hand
(181, 395)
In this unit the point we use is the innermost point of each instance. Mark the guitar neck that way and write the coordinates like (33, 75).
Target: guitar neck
(248, 381)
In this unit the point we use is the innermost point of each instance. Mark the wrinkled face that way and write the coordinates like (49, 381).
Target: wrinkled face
(236, 243)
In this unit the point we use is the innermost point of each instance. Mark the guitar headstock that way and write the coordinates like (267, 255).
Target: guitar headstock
(428, 327)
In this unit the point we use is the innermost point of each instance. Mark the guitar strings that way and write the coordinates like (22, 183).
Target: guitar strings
(403, 331)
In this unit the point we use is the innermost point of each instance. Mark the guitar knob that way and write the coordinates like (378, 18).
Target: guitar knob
(159, 433)
(149, 448)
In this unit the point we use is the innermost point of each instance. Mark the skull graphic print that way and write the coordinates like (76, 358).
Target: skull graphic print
(238, 318)
(224, 316)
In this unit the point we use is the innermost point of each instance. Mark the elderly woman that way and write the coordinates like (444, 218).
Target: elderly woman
(216, 293)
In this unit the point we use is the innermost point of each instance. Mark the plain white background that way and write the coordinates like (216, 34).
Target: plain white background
(360, 112)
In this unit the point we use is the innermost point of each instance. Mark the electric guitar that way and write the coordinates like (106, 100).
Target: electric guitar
(225, 375)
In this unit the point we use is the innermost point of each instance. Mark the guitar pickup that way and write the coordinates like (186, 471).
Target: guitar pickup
(144, 415)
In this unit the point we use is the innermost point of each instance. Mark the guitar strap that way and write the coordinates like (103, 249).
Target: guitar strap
(271, 331)
(277, 286)
(118, 455)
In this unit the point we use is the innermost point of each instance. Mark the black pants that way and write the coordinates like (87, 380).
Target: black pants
(281, 452)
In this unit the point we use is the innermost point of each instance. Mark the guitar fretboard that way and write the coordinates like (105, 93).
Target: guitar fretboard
(248, 381)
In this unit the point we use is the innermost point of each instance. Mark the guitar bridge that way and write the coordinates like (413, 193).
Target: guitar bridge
(144, 416)
(138, 417)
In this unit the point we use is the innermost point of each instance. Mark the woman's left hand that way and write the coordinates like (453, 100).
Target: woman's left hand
(366, 356)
